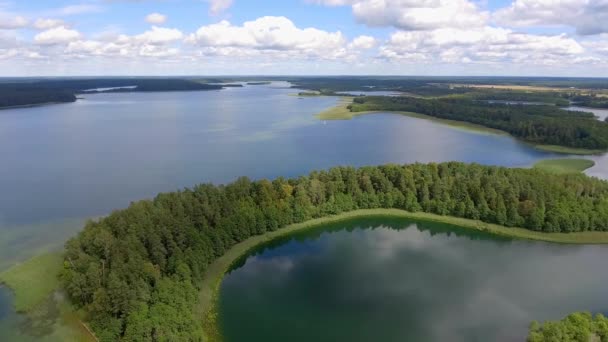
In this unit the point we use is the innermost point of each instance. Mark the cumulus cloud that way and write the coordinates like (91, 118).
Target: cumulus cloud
(269, 33)
(159, 35)
(156, 18)
(57, 35)
(157, 42)
(487, 44)
(9, 23)
(415, 14)
(586, 16)
(363, 42)
(218, 6)
(45, 24)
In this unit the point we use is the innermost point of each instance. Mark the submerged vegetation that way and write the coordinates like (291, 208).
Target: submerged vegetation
(34, 280)
(137, 272)
(564, 165)
(576, 327)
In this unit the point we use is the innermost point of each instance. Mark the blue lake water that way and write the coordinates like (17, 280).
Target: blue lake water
(63, 163)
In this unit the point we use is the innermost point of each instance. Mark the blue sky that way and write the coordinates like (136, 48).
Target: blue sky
(220, 37)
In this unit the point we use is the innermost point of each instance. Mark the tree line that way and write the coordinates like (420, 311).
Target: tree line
(26, 96)
(576, 327)
(33, 92)
(540, 124)
(136, 272)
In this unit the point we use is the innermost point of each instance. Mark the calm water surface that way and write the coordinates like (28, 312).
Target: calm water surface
(63, 163)
(398, 280)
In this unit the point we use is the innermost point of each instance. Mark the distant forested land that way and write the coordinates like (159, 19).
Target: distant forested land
(136, 273)
(440, 85)
(42, 91)
(329, 85)
(29, 96)
(555, 98)
(546, 125)
(592, 101)
(576, 327)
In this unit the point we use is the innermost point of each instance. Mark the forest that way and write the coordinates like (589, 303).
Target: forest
(40, 91)
(441, 85)
(28, 96)
(136, 272)
(549, 98)
(538, 124)
(592, 101)
(576, 327)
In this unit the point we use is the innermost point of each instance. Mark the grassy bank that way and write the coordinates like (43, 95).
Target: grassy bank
(34, 280)
(564, 165)
(567, 150)
(35, 285)
(342, 112)
(207, 306)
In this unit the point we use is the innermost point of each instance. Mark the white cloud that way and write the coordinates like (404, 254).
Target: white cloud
(57, 35)
(218, 6)
(159, 35)
(415, 14)
(45, 24)
(7, 40)
(586, 16)
(484, 45)
(268, 33)
(363, 42)
(8, 23)
(156, 18)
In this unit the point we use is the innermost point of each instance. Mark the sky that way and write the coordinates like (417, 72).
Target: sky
(304, 37)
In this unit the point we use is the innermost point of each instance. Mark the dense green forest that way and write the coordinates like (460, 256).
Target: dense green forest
(577, 327)
(136, 272)
(420, 87)
(554, 98)
(344, 83)
(592, 101)
(65, 90)
(547, 125)
(26, 96)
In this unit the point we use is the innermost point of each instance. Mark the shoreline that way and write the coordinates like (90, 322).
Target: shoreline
(32, 105)
(210, 286)
(341, 112)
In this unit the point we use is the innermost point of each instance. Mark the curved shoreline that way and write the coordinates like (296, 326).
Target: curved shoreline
(341, 112)
(209, 292)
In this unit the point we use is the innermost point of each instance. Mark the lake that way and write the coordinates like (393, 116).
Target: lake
(64, 163)
(600, 169)
(387, 279)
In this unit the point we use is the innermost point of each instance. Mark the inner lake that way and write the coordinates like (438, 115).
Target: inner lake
(390, 279)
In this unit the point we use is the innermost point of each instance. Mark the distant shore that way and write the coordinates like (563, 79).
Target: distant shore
(341, 112)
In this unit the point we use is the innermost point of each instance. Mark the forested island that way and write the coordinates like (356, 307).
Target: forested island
(43, 91)
(137, 272)
(537, 124)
